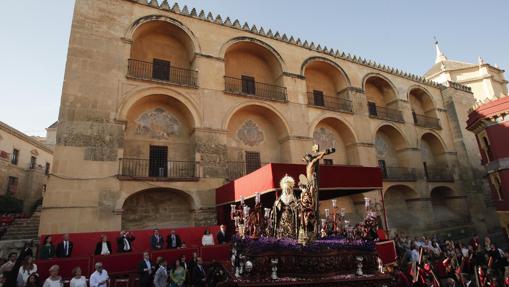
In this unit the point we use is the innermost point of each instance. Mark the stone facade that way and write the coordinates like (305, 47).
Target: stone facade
(25, 164)
(170, 103)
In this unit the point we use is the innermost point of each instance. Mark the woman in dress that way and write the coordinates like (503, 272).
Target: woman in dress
(207, 238)
(28, 267)
(178, 275)
(161, 276)
(78, 280)
(54, 280)
(47, 250)
(33, 281)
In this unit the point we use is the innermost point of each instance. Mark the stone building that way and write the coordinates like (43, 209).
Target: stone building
(162, 104)
(25, 164)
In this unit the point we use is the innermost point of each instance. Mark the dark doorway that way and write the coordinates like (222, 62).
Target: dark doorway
(158, 162)
(252, 161)
(161, 70)
(248, 85)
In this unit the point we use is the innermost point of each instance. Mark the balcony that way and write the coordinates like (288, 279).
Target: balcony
(141, 70)
(384, 113)
(426, 122)
(264, 91)
(438, 174)
(156, 169)
(331, 103)
(399, 174)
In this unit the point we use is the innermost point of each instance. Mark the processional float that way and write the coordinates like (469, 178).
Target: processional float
(291, 239)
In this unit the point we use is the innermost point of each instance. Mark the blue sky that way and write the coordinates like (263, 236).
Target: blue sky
(34, 38)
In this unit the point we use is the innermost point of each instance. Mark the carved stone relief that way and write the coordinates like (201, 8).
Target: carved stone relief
(250, 134)
(157, 124)
(324, 138)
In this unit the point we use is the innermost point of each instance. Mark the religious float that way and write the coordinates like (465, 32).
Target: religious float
(282, 239)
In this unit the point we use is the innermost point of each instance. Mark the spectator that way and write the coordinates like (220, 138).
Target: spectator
(156, 240)
(47, 250)
(193, 261)
(33, 281)
(207, 238)
(27, 250)
(103, 247)
(125, 242)
(183, 262)
(100, 276)
(78, 280)
(173, 240)
(54, 280)
(221, 235)
(64, 248)
(146, 269)
(28, 267)
(161, 275)
(178, 275)
(199, 275)
(9, 265)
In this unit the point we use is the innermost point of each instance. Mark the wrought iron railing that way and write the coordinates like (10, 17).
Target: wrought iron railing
(332, 103)
(260, 90)
(157, 168)
(178, 76)
(425, 121)
(438, 174)
(399, 174)
(385, 113)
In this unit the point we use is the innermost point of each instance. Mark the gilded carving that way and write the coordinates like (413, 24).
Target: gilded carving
(250, 134)
(158, 124)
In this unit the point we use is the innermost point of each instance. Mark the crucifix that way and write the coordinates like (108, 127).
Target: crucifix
(313, 176)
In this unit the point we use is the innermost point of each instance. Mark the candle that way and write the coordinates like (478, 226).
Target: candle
(267, 212)
(246, 211)
(367, 201)
(232, 206)
(257, 199)
(334, 203)
(242, 199)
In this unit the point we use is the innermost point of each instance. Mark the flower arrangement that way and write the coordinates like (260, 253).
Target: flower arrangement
(287, 244)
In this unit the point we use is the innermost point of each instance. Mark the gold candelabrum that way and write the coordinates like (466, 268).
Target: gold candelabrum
(335, 221)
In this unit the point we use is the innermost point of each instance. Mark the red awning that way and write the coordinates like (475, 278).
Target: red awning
(335, 181)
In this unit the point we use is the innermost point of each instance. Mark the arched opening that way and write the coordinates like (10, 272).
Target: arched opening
(251, 69)
(162, 51)
(399, 208)
(423, 110)
(157, 208)
(327, 86)
(382, 99)
(447, 207)
(390, 146)
(332, 132)
(158, 139)
(256, 136)
(434, 160)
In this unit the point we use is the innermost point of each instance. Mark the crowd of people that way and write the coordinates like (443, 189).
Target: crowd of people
(125, 242)
(427, 261)
(20, 270)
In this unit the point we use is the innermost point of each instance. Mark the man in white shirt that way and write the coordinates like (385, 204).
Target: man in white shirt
(103, 247)
(100, 277)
